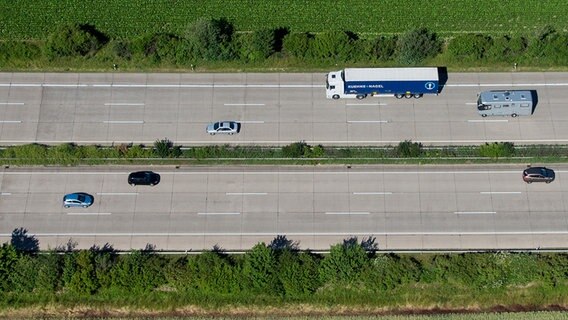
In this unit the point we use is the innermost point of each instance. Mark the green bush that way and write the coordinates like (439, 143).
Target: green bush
(74, 40)
(332, 46)
(259, 45)
(470, 46)
(409, 149)
(507, 48)
(211, 39)
(165, 149)
(296, 150)
(497, 150)
(416, 45)
(382, 48)
(12, 51)
(297, 44)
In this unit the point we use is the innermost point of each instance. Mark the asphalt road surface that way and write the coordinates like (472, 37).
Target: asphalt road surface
(194, 208)
(274, 108)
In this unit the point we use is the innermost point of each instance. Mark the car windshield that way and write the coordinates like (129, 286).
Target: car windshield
(216, 125)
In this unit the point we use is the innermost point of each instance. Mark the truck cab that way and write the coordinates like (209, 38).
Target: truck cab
(334, 85)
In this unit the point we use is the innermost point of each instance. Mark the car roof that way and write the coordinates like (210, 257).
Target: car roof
(532, 170)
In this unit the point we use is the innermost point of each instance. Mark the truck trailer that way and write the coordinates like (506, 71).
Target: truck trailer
(400, 82)
(505, 103)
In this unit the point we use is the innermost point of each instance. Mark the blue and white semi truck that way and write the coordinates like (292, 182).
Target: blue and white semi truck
(400, 82)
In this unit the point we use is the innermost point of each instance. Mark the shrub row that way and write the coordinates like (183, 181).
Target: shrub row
(277, 269)
(206, 42)
(72, 154)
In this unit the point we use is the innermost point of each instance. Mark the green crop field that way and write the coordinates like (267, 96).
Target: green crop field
(25, 19)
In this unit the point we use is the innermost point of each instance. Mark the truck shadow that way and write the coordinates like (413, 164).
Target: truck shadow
(534, 96)
(442, 77)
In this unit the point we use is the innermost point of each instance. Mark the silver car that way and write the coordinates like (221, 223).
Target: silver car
(224, 127)
(78, 199)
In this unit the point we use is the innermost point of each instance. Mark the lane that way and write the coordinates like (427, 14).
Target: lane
(431, 207)
(275, 109)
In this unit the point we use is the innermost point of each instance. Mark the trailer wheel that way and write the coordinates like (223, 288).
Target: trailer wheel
(408, 95)
(398, 95)
(417, 95)
(335, 96)
(361, 96)
(514, 115)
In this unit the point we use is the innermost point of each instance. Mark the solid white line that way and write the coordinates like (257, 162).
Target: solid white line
(124, 121)
(285, 142)
(367, 121)
(117, 193)
(487, 120)
(218, 213)
(365, 104)
(246, 193)
(475, 212)
(347, 213)
(5, 194)
(371, 193)
(231, 234)
(252, 121)
(471, 103)
(123, 104)
(244, 104)
(12, 103)
(271, 172)
(500, 192)
(10, 121)
(504, 84)
(89, 213)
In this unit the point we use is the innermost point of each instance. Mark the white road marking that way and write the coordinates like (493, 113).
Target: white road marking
(10, 121)
(286, 142)
(365, 104)
(475, 212)
(484, 172)
(125, 85)
(5, 194)
(124, 121)
(124, 104)
(252, 121)
(367, 121)
(347, 213)
(471, 103)
(218, 213)
(371, 193)
(487, 120)
(231, 234)
(117, 193)
(246, 193)
(500, 192)
(89, 213)
(12, 103)
(244, 104)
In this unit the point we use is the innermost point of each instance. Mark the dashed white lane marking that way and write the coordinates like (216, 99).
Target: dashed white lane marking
(117, 193)
(365, 104)
(10, 121)
(244, 104)
(123, 121)
(348, 213)
(89, 213)
(487, 120)
(475, 212)
(12, 103)
(367, 121)
(500, 192)
(5, 194)
(246, 193)
(218, 213)
(371, 193)
(123, 104)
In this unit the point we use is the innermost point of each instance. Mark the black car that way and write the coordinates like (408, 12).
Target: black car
(538, 174)
(148, 178)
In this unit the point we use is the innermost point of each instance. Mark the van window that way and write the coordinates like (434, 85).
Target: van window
(497, 106)
(505, 106)
(332, 87)
(524, 105)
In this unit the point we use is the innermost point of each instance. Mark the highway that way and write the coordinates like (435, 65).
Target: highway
(193, 208)
(274, 108)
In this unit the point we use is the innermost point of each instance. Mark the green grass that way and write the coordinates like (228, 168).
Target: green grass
(24, 19)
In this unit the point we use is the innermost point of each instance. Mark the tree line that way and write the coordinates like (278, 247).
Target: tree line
(352, 269)
(209, 41)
